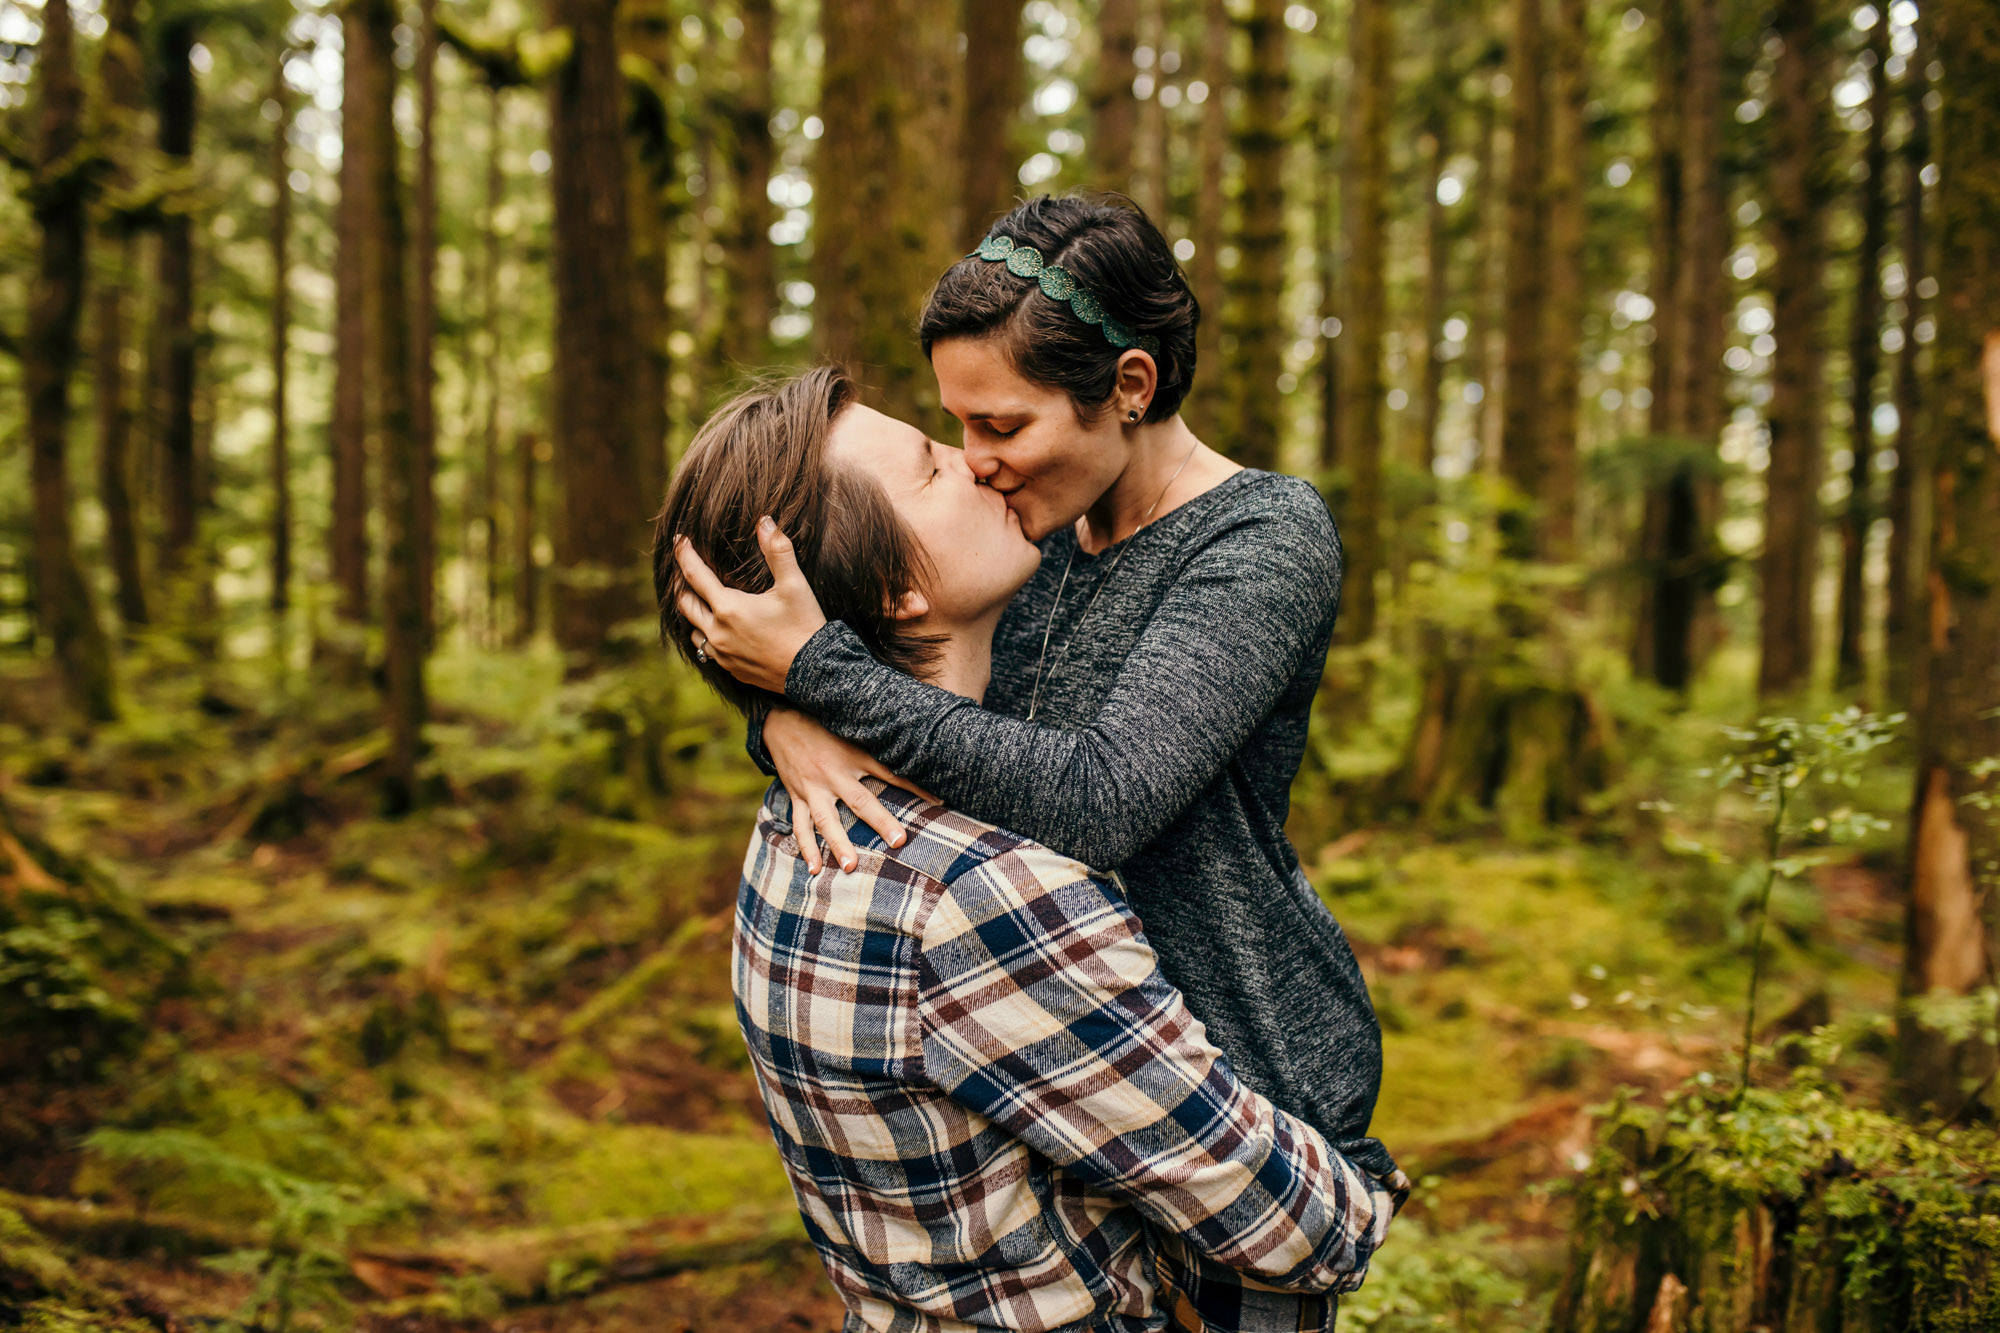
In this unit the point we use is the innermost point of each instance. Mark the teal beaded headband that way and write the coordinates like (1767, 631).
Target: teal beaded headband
(1058, 284)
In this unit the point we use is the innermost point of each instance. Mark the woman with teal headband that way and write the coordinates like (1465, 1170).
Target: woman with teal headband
(1151, 684)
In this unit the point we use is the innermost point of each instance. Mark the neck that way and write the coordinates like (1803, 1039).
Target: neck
(1148, 483)
(965, 665)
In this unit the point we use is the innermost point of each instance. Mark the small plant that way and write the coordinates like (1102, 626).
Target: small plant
(300, 1263)
(1773, 762)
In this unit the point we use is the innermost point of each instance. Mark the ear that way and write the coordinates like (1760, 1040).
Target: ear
(1138, 380)
(912, 605)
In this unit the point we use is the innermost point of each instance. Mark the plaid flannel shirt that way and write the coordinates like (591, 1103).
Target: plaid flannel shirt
(997, 1114)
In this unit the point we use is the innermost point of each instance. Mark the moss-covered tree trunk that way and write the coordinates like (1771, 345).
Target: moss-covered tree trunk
(1256, 289)
(1364, 210)
(748, 333)
(1905, 632)
(174, 394)
(387, 301)
(120, 72)
(61, 211)
(991, 132)
(1562, 333)
(885, 220)
(348, 532)
(1798, 193)
(281, 318)
(1211, 392)
(423, 317)
(1864, 357)
(1326, 247)
(1151, 165)
(597, 447)
(1114, 112)
(1955, 840)
(1523, 434)
(1439, 93)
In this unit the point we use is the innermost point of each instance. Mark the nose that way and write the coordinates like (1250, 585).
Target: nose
(981, 458)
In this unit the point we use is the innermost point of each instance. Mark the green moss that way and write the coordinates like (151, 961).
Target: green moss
(628, 1171)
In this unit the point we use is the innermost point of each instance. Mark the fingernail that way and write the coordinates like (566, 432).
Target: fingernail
(898, 840)
(765, 524)
(849, 865)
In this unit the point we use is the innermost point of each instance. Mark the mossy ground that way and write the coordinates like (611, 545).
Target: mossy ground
(509, 1013)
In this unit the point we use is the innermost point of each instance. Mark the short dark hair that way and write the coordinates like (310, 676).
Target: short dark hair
(765, 452)
(1114, 251)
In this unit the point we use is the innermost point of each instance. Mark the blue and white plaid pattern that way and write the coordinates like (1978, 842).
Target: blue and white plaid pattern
(995, 1112)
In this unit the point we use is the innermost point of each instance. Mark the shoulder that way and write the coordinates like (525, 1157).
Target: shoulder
(1273, 506)
(1270, 530)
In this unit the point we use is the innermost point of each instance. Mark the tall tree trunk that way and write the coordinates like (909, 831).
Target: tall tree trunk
(752, 270)
(489, 315)
(883, 231)
(1906, 632)
(281, 316)
(654, 175)
(527, 573)
(423, 321)
(68, 612)
(175, 393)
(1798, 202)
(1259, 285)
(387, 300)
(1150, 170)
(597, 449)
(1439, 94)
(1562, 334)
(1114, 112)
(1487, 286)
(348, 533)
(1326, 249)
(1523, 442)
(1864, 356)
(990, 134)
(1364, 210)
(120, 66)
(1954, 843)
(1208, 405)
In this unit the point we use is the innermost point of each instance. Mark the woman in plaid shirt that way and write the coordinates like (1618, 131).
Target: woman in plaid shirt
(996, 1112)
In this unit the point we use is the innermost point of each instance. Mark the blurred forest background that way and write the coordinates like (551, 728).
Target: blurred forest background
(366, 869)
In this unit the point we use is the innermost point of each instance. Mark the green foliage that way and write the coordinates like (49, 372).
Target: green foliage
(1424, 1279)
(300, 1264)
(58, 1015)
(1900, 1213)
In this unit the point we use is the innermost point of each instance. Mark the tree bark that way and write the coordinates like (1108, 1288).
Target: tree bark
(1948, 946)
(1439, 96)
(281, 315)
(1907, 639)
(1562, 334)
(120, 67)
(68, 611)
(883, 228)
(386, 298)
(423, 321)
(1207, 405)
(752, 270)
(1326, 246)
(175, 392)
(489, 313)
(1523, 445)
(348, 534)
(597, 453)
(1365, 212)
(1259, 282)
(991, 132)
(1864, 357)
(527, 573)
(1114, 112)
(1798, 206)
(1151, 166)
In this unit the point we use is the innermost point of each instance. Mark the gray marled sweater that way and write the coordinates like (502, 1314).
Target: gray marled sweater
(1165, 746)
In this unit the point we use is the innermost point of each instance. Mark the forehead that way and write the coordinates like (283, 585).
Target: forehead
(876, 442)
(976, 378)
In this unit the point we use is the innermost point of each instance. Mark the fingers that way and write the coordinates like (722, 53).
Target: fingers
(699, 576)
(872, 767)
(779, 556)
(697, 612)
(826, 818)
(808, 844)
(875, 815)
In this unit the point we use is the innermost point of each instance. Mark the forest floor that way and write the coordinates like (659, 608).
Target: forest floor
(477, 1068)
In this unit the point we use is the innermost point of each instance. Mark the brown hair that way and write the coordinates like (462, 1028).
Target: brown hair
(1114, 251)
(765, 452)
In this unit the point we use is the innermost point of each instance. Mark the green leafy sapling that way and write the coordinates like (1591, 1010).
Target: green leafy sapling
(1773, 762)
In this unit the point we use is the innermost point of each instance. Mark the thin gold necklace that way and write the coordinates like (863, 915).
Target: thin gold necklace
(1035, 698)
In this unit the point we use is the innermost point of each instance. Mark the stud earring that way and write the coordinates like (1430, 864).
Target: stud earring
(1133, 415)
